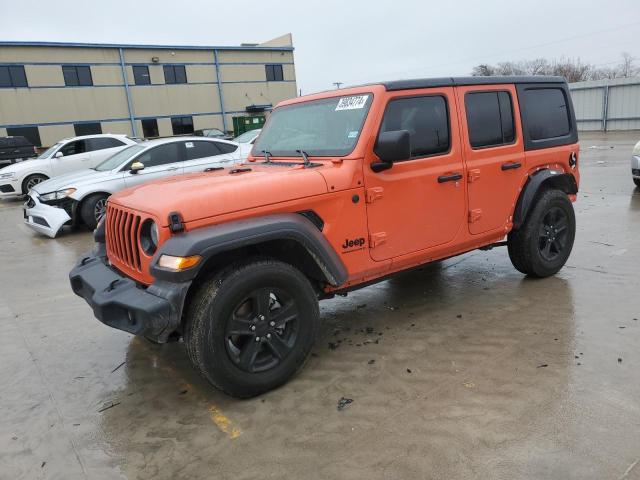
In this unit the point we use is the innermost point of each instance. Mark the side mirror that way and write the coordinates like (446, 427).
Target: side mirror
(136, 167)
(392, 147)
(58, 155)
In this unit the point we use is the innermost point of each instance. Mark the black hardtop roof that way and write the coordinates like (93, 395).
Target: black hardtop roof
(456, 81)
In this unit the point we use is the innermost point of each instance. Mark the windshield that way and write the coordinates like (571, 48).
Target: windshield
(247, 137)
(49, 151)
(122, 156)
(322, 128)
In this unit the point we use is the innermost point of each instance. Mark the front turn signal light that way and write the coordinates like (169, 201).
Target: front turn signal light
(177, 264)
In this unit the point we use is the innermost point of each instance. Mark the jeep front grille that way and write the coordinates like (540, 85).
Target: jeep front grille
(122, 230)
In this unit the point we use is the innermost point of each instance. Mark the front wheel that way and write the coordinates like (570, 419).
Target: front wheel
(637, 182)
(92, 209)
(541, 246)
(251, 327)
(31, 181)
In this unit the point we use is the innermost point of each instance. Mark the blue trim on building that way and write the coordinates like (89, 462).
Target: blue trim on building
(9, 43)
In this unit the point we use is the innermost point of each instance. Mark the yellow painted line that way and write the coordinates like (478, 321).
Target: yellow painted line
(223, 423)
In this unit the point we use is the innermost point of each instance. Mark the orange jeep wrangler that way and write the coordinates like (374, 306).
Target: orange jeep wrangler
(342, 189)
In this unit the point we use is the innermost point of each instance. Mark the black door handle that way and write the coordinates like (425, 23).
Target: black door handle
(511, 166)
(450, 178)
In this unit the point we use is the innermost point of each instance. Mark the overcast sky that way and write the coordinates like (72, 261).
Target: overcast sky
(350, 41)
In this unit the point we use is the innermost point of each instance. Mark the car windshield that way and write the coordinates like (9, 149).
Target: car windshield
(247, 137)
(322, 128)
(49, 151)
(213, 132)
(119, 158)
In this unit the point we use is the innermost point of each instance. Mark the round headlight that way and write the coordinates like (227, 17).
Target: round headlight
(149, 237)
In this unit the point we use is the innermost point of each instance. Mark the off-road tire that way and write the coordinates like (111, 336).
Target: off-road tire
(214, 304)
(37, 177)
(524, 244)
(637, 182)
(88, 207)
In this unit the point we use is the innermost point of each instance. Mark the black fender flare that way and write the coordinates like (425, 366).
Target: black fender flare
(541, 179)
(210, 241)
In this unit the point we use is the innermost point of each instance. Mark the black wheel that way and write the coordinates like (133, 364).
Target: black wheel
(541, 246)
(252, 326)
(637, 182)
(92, 209)
(31, 181)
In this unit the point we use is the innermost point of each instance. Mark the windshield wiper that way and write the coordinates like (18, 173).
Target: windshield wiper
(304, 155)
(267, 156)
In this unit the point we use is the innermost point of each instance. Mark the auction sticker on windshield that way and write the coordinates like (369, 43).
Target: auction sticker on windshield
(352, 103)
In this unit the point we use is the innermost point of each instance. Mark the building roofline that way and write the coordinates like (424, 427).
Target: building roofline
(149, 47)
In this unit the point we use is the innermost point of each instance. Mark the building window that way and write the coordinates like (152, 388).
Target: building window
(12, 76)
(489, 119)
(150, 128)
(77, 76)
(87, 129)
(274, 73)
(182, 125)
(141, 75)
(30, 133)
(175, 74)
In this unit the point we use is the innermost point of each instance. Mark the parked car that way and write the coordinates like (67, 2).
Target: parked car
(212, 133)
(81, 197)
(68, 155)
(16, 149)
(246, 140)
(635, 165)
(342, 189)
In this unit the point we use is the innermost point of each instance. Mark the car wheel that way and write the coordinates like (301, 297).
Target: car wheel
(92, 209)
(251, 327)
(637, 182)
(31, 181)
(542, 245)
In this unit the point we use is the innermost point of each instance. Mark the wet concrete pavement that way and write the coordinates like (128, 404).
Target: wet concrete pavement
(464, 369)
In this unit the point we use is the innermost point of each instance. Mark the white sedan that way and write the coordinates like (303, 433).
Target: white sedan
(68, 155)
(81, 197)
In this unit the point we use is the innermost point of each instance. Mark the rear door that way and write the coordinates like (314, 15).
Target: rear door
(75, 156)
(420, 202)
(201, 154)
(159, 162)
(494, 153)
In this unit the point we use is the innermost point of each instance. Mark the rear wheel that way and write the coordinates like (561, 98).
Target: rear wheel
(31, 181)
(541, 246)
(92, 209)
(251, 327)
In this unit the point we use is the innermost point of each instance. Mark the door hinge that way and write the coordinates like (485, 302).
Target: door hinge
(475, 215)
(373, 194)
(376, 239)
(473, 175)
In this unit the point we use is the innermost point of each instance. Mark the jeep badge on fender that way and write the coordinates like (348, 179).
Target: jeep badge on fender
(240, 280)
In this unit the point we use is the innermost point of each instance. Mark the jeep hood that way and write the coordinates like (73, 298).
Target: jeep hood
(203, 195)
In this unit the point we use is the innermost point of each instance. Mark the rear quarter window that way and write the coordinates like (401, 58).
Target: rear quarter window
(547, 113)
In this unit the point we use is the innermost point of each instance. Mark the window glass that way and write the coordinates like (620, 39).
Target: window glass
(87, 129)
(161, 155)
(30, 133)
(489, 118)
(141, 75)
(103, 143)
(175, 74)
(547, 113)
(77, 75)
(274, 73)
(117, 159)
(13, 76)
(425, 118)
(150, 128)
(226, 147)
(195, 150)
(74, 148)
(182, 125)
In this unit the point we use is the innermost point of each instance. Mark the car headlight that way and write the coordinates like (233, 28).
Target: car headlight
(636, 149)
(8, 175)
(60, 194)
(149, 237)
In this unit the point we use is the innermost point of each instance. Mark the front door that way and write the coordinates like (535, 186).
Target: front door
(161, 161)
(494, 154)
(418, 203)
(75, 156)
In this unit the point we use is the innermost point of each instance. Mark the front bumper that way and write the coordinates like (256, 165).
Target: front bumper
(119, 302)
(10, 187)
(635, 166)
(42, 218)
